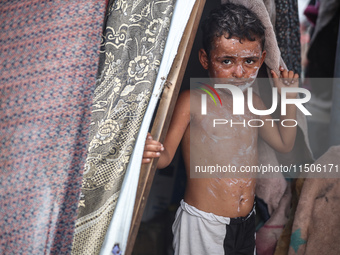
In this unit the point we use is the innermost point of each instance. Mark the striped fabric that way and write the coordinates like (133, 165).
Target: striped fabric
(48, 63)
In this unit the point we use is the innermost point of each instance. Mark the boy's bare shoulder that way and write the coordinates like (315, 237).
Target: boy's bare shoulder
(187, 95)
(189, 102)
(183, 104)
(184, 99)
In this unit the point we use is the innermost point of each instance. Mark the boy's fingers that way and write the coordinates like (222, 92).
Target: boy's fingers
(274, 75)
(151, 154)
(294, 77)
(290, 74)
(146, 160)
(290, 77)
(284, 73)
(147, 142)
(284, 76)
(153, 147)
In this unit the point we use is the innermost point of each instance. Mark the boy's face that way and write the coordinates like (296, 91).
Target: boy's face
(231, 59)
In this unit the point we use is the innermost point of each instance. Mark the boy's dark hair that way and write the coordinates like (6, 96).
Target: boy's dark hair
(235, 21)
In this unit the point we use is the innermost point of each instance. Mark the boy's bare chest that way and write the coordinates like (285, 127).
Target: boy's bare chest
(220, 121)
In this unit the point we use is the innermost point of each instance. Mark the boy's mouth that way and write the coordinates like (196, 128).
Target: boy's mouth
(244, 86)
(240, 81)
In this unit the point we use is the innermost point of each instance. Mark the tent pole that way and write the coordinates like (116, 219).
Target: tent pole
(335, 111)
(163, 117)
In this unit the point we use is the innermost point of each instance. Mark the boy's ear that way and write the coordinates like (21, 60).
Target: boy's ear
(204, 59)
(263, 57)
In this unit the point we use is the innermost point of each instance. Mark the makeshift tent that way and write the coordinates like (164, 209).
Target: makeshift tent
(48, 62)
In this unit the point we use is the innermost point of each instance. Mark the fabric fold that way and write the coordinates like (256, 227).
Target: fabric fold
(133, 43)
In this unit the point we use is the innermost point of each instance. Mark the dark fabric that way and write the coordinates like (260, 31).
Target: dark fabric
(262, 209)
(48, 62)
(322, 49)
(312, 11)
(240, 237)
(287, 27)
(238, 220)
(131, 51)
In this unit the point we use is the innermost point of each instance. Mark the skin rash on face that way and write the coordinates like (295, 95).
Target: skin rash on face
(230, 58)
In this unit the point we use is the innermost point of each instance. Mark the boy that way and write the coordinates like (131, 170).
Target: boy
(217, 214)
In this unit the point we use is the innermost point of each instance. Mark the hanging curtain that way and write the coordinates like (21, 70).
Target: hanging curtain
(133, 43)
(48, 63)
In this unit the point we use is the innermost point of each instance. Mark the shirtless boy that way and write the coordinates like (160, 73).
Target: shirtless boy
(217, 215)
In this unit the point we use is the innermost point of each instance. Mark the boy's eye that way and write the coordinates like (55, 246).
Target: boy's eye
(226, 61)
(249, 61)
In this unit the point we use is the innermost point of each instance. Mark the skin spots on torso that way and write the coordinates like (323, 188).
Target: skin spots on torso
(222, 145)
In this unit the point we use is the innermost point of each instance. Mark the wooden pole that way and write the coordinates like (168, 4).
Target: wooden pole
(163, 117)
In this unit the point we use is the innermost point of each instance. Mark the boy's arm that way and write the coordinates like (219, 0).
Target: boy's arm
(279, 137)
(179, 123)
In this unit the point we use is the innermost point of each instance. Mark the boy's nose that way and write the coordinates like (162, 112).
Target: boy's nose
(238, 71)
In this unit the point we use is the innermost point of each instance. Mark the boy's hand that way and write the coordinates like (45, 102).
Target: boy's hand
(152, 149)
(286, 79)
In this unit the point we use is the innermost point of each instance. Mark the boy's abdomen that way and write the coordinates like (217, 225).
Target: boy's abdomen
(224, 197)
(223, 194)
